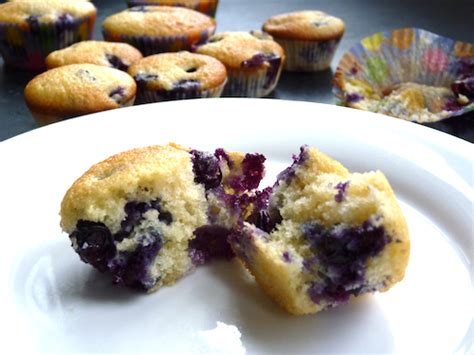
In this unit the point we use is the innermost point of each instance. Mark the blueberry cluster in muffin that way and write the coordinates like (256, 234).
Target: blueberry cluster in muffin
(319, 237)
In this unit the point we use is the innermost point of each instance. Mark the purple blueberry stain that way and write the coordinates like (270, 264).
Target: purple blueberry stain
(206, 169)
(341, 254)
(210, 243)
(95, 244)
(263, 216)
(222, 155)
(143, 78)
(341, 191)
(116, 62)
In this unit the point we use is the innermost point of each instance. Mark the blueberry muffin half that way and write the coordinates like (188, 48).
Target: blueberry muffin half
(181, 75)
(78, 89)
(30, 30)
(109, 54)
(158, 29)
(150, 215)
(324, 235)
(253, 61)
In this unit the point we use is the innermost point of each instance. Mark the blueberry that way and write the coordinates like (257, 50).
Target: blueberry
(133, 270)
(134, 214)
(353, 97)
(222, 155)
(33, 21)
(116, 62)
(210, 243)
(253, 171)
(340, 257)
(95, 243)
(117, 94)
(206, 169)
(464, 86)
(187, 85)
(286, 257)
(142, 78)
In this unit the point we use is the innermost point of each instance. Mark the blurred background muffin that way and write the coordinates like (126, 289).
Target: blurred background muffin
(253, 62)
(310, 38)
(208, 7)
(30, 30)
(158, 29)
(78, 89)
(175, 76)
(109, 54)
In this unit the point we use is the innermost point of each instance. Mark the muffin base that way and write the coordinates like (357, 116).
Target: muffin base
(258, 83)
(308, 56)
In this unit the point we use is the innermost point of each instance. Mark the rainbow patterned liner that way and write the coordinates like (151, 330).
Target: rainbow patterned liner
(149, 45)
(145, 95)
(26, 47)
(408, 73)
(207, 7)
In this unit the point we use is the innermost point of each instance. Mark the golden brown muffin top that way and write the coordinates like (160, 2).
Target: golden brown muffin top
(78, 89)
(108, 54)
(234, 48)
(47, 11)
(305, 25)
(166, 69)
(158, 21)
(173, 2)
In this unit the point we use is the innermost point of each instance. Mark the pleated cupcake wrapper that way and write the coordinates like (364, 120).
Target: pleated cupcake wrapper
(370, 71)
(207, 7)
(246, 83)
(308, 55)
(148, 96)
(149, 45)
(28, 47)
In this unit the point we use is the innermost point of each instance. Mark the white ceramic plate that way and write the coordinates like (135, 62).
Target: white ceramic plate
(52, 302)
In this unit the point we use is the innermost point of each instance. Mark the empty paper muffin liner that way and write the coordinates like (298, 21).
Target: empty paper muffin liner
(149, 45)
(27, 47)
(208, 7)
(408, 73)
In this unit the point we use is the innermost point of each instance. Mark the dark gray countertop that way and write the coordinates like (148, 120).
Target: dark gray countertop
(362, 17)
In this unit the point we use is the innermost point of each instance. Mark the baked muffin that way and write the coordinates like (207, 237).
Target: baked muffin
(150, 215)
(30, 30)
(253, 62)
(207, 7)
(78, 89)
(158, 29)
(108, 54)
(181, 75)
(310, 38)
(324, 235)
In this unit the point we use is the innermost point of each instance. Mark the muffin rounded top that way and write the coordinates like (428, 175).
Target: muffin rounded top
(109, 54)
(47, 11)
(180, 70)
(305, 25)
(79, 89)
(158, 21)
(173, 2)
(241, 49)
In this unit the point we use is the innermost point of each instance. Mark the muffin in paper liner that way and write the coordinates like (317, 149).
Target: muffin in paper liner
(26, 47)
(408, 73)
(166, 29)
(208, 7)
